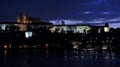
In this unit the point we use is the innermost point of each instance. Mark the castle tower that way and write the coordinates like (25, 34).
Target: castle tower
(106, 24)
(106, 27)
(19, 18)
(62, 22)
(25, 18)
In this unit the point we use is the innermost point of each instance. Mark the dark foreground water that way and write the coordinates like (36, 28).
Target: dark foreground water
(47, 58)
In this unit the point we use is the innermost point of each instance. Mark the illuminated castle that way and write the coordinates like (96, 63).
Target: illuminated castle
(26, 19)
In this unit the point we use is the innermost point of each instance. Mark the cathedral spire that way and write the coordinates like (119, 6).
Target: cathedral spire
(19, 18)
(25, 17)
(106, 24)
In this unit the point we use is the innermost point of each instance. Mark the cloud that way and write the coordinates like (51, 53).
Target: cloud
(96, 12)
(97, 2)
(113, 22)
(87, 12)
(114, 19)
(58, 22)
(105, 12)
(114, 25)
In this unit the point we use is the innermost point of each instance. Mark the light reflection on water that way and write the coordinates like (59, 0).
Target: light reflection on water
(73, 58)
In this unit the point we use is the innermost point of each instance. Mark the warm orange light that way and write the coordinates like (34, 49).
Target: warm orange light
(46, 45)
(5, 46)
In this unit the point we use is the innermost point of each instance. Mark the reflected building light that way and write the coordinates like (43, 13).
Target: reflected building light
(112, 53)
(107, 53)
(5, 53)
(82, 53)
(96, 57)
(46, 52)
(113, 57)
(91, 52)
(77, 52)
(46, 45)
(65, 57)
(90, 57)
(106, 57)
(96, 53)
(82, 57)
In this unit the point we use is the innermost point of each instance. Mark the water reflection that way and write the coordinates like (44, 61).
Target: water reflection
(46, 52)
(73, 58)
(74, 54)
(5, 53)
(93, 55)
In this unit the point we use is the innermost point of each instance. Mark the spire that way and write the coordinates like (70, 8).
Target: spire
(19, 18)
(62, 22)
(106, 24)
(20, 14)
(106, 27)
(25, 17)
(25, 14)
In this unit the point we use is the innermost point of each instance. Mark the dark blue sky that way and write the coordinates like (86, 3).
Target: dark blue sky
(60, 9)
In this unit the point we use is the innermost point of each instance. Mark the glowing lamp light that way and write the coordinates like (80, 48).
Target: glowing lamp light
(5, 46)
(46, 45)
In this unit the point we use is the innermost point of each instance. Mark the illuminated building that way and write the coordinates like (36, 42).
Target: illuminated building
(106, 28)
(70, 28)
(26, 19)
(100, 29)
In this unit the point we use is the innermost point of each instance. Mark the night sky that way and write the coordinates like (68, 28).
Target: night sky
(87, 11)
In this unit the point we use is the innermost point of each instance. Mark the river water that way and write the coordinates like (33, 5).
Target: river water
(66, 58)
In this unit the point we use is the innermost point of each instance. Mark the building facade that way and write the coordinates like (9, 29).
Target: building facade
(25, 18)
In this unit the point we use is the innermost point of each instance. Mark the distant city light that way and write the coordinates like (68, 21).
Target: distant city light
(28, 34)
(5, 46)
